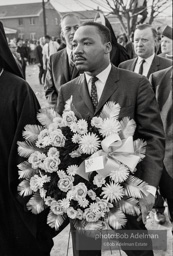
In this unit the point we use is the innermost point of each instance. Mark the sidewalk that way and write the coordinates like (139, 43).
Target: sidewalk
(61, 241)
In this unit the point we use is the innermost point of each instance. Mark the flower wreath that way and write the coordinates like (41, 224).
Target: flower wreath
(82, 169)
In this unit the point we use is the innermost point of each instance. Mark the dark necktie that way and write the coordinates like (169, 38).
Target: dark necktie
(94, 96)
(141, 67)
(71, 63)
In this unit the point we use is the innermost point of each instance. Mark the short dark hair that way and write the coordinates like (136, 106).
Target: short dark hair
(47, 37)
(103, 31)
(144, 26)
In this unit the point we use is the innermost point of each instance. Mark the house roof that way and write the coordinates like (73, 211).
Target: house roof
(21, 10)
(83, 15)
(10, 31)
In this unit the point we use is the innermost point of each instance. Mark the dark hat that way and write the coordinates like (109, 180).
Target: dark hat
(168, 31)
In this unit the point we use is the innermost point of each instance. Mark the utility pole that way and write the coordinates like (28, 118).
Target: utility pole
(44, 18)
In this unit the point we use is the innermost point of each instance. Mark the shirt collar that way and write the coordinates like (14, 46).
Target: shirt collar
(148, 60)
(68, 51)
(102, 76)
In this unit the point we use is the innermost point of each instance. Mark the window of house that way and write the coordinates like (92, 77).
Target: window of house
(56, 21)
(21, 35)
(32, 21)
(32, 36)
(20, 22)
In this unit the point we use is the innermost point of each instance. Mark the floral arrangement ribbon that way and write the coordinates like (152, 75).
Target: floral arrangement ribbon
(114, 150)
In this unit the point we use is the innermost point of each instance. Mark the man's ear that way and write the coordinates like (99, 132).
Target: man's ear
(108, 47)
(62, 35)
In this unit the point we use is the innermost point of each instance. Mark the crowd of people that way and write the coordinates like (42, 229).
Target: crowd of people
(136, 74)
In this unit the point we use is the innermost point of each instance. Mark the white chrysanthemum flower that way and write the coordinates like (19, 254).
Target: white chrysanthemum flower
(89, 143)
(94, 207)
(71, 213)
(61, 174)
(91, 194)
(76, 138)
(74, 127)
(96, 121)
(119, 174)
(83, 203)
(43, 142)
(82, 126)
(109, 126)
(112, 192)
(99, 180)
(72, 169)
(65, 203)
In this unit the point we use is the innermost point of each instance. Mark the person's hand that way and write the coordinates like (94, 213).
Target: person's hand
(146, 204)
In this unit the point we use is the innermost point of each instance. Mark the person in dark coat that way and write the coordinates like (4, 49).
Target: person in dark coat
(162, 85)
(118, 53)
(91, 50)
(21, 48)
(146, 61)
(21, 232)
(39, 61)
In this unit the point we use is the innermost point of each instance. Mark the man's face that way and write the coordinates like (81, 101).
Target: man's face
(166, 45)
(68, 27)
(144, 43)
(20, 43)
(13, 47)
(90, 52)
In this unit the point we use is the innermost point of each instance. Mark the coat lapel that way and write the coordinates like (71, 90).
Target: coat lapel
(64, 65)
(132, 67)
(85, 94)
(154, 66)
(110, 88)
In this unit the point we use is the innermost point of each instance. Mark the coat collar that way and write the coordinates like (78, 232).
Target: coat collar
(110, 87)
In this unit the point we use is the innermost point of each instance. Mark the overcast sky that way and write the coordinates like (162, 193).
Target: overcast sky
(75, 5)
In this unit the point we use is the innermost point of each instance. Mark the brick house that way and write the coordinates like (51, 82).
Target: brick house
(27, 20)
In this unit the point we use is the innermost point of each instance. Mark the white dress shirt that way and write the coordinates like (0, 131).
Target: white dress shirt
(146, 65)
(100, 84)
